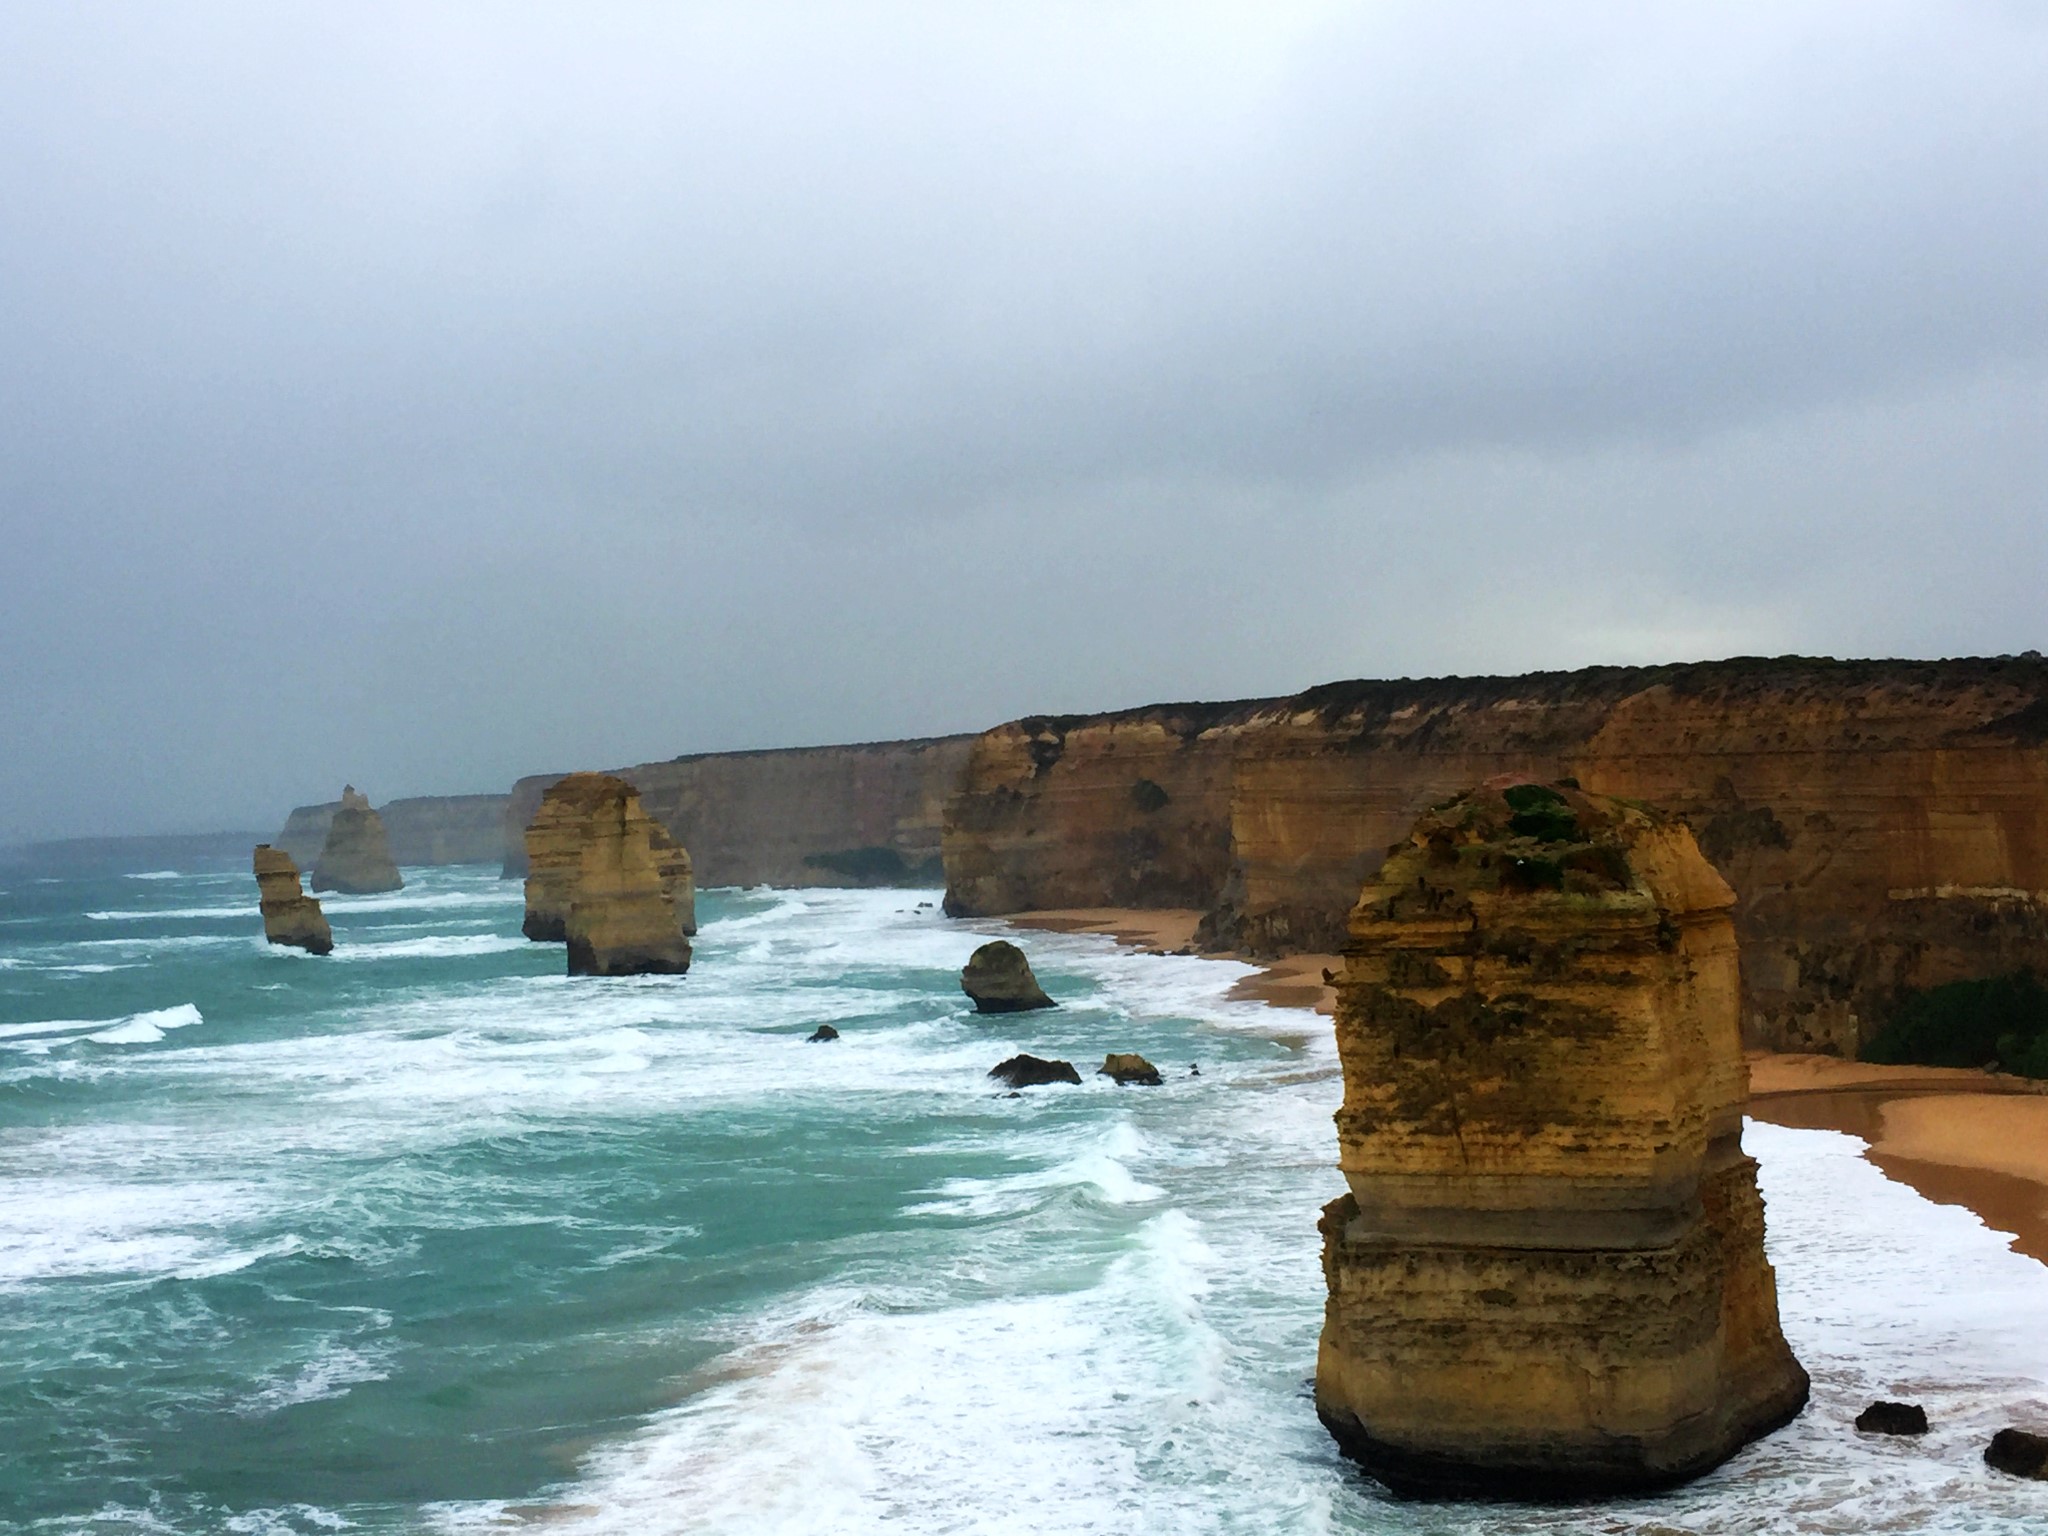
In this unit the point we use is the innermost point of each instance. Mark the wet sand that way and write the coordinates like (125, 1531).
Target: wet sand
(1957, 1135)
(1293, 982)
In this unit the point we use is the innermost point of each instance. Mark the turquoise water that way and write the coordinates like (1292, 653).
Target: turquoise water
(425, 1236)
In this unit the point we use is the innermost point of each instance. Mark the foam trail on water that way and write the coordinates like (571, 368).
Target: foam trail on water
(135, 1029)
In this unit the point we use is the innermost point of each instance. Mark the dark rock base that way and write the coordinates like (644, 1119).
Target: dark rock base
(1572, 1474)
(665, 961)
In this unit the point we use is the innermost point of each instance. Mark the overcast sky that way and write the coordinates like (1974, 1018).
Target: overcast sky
(426, 394)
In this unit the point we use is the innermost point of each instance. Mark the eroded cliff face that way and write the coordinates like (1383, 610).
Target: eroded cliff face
(1548, 1276)
(356, 857)
(868, 814)
(290, 916)
(422, 829)
(1883, 824)
(607, 880)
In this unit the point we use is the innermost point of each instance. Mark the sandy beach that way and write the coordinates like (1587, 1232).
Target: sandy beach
(1957, 1135)
(1295, 981)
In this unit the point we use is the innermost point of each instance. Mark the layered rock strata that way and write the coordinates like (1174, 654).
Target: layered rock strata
(1884, 824)
(1548, 1277)
(866, 814)
(608, 881)
(555, 845)
(355, 858)
(998, 979)
(290, 916)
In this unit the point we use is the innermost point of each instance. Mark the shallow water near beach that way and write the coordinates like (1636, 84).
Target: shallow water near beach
(425, 1236)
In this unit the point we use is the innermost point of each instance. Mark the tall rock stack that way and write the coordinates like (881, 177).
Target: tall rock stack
(1548, 1278)
(290, 916)
(356, 858)
(604, 877)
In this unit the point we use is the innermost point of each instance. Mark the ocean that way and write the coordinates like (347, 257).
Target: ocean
(427, 1237)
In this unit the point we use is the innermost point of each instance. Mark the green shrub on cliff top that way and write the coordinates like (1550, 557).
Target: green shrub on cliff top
(1541, 813)
(2001, 1021)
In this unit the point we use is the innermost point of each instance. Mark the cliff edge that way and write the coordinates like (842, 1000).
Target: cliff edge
(1884, 824)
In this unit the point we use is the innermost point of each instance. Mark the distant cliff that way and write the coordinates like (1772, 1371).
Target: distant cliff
(868, 814)
(1884, 824)
(426, 829)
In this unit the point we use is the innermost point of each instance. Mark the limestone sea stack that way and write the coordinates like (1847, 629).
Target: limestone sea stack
(555, 841)
(607, 880)
(290, 916)
(356, 858)
(998, 978)
(1548, 1278)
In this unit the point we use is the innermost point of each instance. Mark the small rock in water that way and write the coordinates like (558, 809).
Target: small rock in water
(1030, 1071)
(1123, 1067)
(2018, 1452)
(999, 979)
(1882, 1418)
(1194, 1069)
(822, 1032)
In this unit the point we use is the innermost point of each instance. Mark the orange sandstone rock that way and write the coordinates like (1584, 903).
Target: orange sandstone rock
(1884, 824)
(290, 916)
(604, 877)
(1548, 1276)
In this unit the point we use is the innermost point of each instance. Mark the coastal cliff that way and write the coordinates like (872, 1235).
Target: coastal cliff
(422, 829)
(1548, 1277)
(1884, 825)
(868, 814)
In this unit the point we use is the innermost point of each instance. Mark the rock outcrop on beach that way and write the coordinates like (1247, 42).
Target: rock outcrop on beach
(1027, 1071)
(422, 829)
(290, 916)
(864, 815)
(356, 856)
(1548, 1277)
(1126, 1068)
(607, 880)
(998, 979)
(1884, 824)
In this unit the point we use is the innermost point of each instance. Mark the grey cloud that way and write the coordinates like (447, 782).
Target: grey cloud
(428, 394)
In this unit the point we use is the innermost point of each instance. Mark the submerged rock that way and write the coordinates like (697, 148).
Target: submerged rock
(821, 1033)
(1122, 1067)
(1548, 1277)
(290, 916)
(356, 857)
(2018, 1452)
(998, 978)
(1882, 1418)
(1030, 1071)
